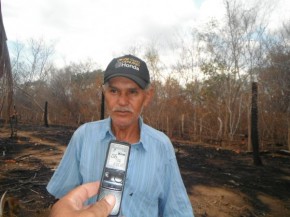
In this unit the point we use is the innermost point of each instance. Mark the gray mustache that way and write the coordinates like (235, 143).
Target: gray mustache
(122, 110)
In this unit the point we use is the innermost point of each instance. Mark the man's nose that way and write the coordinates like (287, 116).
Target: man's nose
(123, 99)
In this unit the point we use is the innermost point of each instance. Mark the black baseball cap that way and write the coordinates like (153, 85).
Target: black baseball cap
(130, 67)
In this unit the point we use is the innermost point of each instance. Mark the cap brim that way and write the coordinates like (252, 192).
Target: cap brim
(136, 79)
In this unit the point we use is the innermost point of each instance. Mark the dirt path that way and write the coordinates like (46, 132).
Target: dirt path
(26, 165)
(219, 182)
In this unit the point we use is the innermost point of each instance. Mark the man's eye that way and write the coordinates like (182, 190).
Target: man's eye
(113, 91)
(133, 91)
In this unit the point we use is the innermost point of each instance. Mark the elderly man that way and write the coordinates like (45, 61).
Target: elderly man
(154, 186)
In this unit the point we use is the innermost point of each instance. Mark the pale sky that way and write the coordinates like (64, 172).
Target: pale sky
(103, 29)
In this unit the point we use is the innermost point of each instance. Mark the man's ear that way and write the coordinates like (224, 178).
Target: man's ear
(148, 96)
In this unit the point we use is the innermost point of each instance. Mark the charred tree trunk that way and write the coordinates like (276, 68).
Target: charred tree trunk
(288, 121)
(103, 107)
(249, 137)
(46, 115)
(254, 125)
(5, 71)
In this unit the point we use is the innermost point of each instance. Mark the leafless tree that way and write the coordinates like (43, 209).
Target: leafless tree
(31, 66)
(6, 82)
(275, 84)
(234, 50)
(76, 89)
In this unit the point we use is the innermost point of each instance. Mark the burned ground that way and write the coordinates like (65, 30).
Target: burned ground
(259, 190)
(220, 182)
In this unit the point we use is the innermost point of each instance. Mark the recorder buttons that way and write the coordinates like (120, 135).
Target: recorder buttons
(118, 179)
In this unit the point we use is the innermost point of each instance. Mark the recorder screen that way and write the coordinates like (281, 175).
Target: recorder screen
(117, 157)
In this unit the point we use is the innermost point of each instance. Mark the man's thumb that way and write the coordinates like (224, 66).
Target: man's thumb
(111, 200)
(104, 206)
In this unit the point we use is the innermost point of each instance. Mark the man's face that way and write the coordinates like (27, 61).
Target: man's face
(125, 101)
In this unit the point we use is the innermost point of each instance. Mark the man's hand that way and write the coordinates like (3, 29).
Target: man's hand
(71, 205)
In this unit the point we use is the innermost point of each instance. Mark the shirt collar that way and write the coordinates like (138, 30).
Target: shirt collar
(107, 128)
(142, 134)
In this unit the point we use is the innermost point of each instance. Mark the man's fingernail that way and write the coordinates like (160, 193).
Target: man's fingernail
(110, 199)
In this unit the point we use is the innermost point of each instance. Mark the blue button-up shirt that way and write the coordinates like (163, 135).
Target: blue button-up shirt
(154, 186)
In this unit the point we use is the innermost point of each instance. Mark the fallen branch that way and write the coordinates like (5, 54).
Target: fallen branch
(23, 156)
(285, 152)
(34, 191)
(2, 203)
